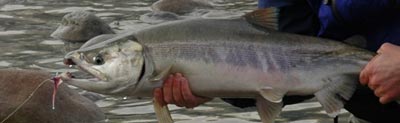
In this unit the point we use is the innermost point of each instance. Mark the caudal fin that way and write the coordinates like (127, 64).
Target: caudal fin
(338, 90)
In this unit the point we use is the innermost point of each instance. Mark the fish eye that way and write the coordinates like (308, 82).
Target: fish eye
(98, 60)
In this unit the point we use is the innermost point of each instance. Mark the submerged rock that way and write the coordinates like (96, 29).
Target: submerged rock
(70, 107)
(80, 26)
(159, 17)
(180, 6)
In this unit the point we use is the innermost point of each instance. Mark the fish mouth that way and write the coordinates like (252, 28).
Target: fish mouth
(94, 72)
(68, 61)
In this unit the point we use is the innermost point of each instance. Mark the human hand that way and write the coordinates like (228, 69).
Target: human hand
(176, 91)
(382, 73)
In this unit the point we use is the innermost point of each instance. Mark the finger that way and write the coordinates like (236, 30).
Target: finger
(386, 47)
(187, 94)
(385, 87)
(366, 72)
(190, 99)
(167, 90)
(177, 94)
(364, 76)
(386, 99)
(158, 96)
(393, 92)
(379, 92)
(375, 82)
(373, 85)
(181, 80)
(179, 75)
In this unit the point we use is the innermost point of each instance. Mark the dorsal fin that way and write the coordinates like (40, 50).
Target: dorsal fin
(267, 18)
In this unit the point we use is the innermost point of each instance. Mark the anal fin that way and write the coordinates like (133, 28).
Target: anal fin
(272, 94)
(162, 113)
(267, 110)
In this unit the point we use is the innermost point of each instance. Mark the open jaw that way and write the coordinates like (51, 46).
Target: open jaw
(86, 68)
(97, 76)
(102, 85)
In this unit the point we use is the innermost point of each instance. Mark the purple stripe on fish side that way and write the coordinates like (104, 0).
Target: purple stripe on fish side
(271, 66)
(243, 56)
(276, 60)
(282, 60)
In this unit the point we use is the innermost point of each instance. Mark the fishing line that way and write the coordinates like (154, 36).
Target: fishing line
(25, 101)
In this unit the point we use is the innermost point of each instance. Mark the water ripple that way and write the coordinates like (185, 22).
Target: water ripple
(5, 16)
(12, 32)
(4, 64)
(52, 42)
(72, 9)
(19, 7)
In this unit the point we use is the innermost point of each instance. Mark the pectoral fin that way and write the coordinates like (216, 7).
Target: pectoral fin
(339, 89)
(162, 113)
(267, 110)
(272, 95)
(162, 75)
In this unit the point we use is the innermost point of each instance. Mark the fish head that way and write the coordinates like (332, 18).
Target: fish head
(117, 63)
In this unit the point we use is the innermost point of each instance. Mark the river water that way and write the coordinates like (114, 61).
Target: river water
(25, 42)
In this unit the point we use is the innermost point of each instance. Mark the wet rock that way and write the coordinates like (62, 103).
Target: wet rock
(80, 26)
(159, 17)
(180, 6)
(4, 64)
(70, 107)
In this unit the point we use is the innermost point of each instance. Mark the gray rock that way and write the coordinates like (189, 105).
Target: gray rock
(80, 26)
(70, 107)
(159, 17)
(180, 6)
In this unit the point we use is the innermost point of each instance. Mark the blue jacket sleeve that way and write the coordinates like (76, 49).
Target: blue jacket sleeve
(377, 20)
